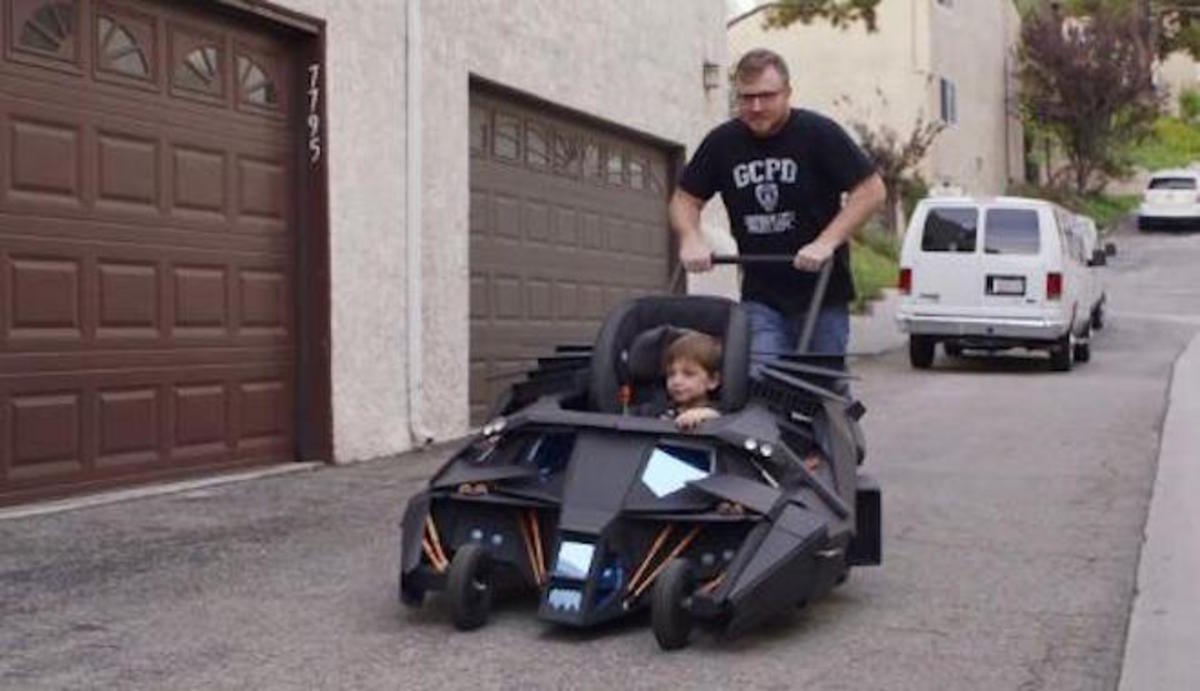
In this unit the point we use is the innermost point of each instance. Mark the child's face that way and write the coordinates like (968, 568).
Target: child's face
(688, 383)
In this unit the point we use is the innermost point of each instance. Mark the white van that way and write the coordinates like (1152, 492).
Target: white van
(1084, 228)
(992, 274)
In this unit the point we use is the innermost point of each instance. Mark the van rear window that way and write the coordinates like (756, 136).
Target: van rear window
(1011, 231)
(950, 230)
(1173, 184)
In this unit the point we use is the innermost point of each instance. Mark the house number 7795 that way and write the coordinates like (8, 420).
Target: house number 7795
(314, 117)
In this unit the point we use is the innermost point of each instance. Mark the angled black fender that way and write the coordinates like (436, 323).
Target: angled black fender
(866, 548)
(413, 523)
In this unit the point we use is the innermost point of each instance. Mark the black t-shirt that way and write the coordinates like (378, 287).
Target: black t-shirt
(781, 191)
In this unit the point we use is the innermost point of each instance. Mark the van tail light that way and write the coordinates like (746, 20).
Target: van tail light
(905, 282)
(1054, 285)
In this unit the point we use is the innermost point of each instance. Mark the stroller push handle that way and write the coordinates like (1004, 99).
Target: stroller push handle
(818, 296)
(742, 259)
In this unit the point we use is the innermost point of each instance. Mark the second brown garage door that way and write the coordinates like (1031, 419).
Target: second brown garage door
(568, 218)
(147, 244)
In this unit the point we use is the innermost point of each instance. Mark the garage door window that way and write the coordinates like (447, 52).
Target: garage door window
(200, 71)
(119, 51)
(591, 161)
(616, 168)
(568, 160)
(50, 28)
(637, 175)
(507, 144)
(536, 153)
(257, 88)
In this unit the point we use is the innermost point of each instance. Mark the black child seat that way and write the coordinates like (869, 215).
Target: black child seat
(630, 346)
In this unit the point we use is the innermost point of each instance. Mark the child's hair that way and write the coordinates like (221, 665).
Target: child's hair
(696, 346)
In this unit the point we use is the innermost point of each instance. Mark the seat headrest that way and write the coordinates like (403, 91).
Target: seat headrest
(645, 354)
(630, 344)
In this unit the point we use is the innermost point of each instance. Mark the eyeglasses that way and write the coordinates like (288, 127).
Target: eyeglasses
(762, 96)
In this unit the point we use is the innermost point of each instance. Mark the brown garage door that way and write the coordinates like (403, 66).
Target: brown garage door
(146, 244)
(568, 218)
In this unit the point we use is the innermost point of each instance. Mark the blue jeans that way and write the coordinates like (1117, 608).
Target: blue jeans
(772, 333)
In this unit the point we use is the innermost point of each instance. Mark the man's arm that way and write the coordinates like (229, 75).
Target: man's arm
(684, 211)
(865, 199)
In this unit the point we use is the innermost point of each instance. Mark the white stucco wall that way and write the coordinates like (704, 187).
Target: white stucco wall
(891, 77)
(365, 71)
(638, 65)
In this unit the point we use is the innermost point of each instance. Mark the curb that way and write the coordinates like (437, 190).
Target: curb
(115, 496)
(1164, 622)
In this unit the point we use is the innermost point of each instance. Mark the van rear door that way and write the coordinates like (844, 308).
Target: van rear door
(1012, 278)
(944, 261)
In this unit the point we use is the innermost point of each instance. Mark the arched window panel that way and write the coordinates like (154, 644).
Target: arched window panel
(257, 83)
(125, 45)
(46, 29)
(197, 68)
(200, 70)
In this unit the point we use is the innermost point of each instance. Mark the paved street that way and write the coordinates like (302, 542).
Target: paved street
(1014, 504)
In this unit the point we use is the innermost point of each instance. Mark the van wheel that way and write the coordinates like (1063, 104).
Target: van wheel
(1083, 347)
(1098, 318)
(952, 349)
(920, 351)
(1061, 354)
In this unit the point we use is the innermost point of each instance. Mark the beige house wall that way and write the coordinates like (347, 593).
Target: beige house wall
(635, 64)
(1178, 72)
(891, 78)
(882, 74)
(972, 44)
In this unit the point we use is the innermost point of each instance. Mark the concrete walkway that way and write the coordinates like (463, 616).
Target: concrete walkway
(1162, 650)
(875, 332)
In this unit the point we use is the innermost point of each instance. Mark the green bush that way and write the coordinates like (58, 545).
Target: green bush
(876, 237)
(912, 190)
(1175, 143)
(1107, 210)
(1189, 105)
(872, 273)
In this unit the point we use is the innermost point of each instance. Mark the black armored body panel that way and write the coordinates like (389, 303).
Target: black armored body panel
(603, 512)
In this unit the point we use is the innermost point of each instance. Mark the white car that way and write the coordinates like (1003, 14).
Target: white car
(1171, 201)
(992, 274)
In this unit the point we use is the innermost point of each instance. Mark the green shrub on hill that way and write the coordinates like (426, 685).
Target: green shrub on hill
(1174, 144)
(873, 271)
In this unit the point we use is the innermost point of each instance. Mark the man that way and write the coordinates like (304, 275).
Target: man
(782, 174)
